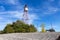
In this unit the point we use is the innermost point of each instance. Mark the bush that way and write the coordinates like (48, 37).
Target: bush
(18, 27)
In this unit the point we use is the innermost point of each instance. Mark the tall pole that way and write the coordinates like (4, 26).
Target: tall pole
(25, 15)
(51, 26)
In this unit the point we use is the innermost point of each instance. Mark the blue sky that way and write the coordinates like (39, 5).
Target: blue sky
(40, 11)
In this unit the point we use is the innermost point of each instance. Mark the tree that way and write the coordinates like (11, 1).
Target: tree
(43, 28)
(18, 27)
(32, 28)
(8, 29)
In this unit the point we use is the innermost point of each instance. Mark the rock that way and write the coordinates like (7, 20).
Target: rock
(30, 36)
(58, 38)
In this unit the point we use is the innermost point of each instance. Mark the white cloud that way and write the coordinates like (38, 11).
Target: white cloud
(51, 10)
(51, 0)
(32, 17)
(3, 24)
(58, 3)
(39, 29)
(48, 7)
(14, 2)
(1, 18)
(16, 14)
(56, 27)
(2, 8)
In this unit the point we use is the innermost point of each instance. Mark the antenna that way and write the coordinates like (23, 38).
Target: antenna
(25, 15)
(51, 26)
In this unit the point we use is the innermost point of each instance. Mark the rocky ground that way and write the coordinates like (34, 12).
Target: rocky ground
(30, 36)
